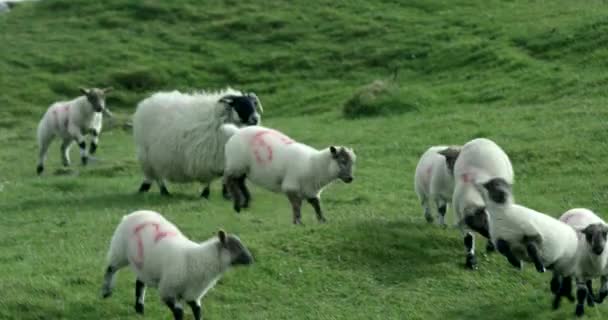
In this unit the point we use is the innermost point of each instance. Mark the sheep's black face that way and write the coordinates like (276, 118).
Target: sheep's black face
(96, 97)
(345, 158)
(246, 107)
(451, 155)
(498, 190)
(596, 235)
(239, 254)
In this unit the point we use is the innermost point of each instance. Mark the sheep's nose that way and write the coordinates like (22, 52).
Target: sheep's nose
(348, 179)
(598, 251)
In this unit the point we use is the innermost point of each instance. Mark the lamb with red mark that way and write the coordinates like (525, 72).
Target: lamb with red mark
(277, 163)
(161, 256)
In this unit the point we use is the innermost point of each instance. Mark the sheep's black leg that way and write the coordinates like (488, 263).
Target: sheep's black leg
(206, 192)
(83, 152)
(140, 293)
(244, 191)
(566, 288)
(316, 204)
(39, 169)
(93, 145)
(225, 192)
(163, 190)
(469, 243)
(296, 206)
(65, 153)
(442, 209)
(176, 309)
(603, 289)
(581, 295)
(590, 296)
(106, 289)
(235, 191)
(196, 309)
(505, 249)
(478, 222)
(556, 283)
(533, 253)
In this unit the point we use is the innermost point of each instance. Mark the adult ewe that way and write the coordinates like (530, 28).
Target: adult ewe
(180, 137)
(274, 161)
(478, 158)
(434, 181)
(72, 121)
(161, 256)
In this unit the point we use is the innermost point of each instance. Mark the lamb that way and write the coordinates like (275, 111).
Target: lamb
(180, 138)
(71, 121)
(274, 161)
(434, 181)
(592, 258)
(478, 157)
(161, 256)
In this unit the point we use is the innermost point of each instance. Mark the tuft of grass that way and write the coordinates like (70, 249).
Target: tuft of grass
(383, 98)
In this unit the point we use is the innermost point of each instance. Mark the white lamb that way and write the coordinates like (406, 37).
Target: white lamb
(179, 136)
(71, 121)
(161, 256)
(274, 161)
(434, 181)
(592, 258)
(478, 158)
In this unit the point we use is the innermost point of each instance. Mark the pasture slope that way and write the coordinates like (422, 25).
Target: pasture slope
(529, 74)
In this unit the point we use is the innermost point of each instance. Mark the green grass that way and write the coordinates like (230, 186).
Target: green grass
(530, 75)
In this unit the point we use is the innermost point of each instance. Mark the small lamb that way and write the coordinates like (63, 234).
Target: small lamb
(161, 256)
(274, 161)
(71, 121)
(520, 233)
(434, 180)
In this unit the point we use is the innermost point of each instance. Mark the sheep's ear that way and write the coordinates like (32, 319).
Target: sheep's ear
(258, 104)
(227, 100)
(108, 89)
(450, 154)
(333, 150)
(83, 90)
(222, 235)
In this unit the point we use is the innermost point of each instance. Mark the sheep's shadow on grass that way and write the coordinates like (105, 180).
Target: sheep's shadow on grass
(506, 311)
(396, 251)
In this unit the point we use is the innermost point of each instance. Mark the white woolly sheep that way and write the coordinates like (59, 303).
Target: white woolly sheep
(434, 181)
(479, 157)
(520, 233)
(71, 121)
(274, 161)
(161, 256)
(179, 136)
(592, 258)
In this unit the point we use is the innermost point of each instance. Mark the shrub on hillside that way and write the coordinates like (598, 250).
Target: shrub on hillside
(139, 80)
(381, 98)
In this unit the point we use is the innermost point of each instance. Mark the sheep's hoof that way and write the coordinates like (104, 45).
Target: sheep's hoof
(39, 169)
(580, 310)
(139, 308)
(602, 296)
(85, 160)
(471, 262)
(490, 247)
(106, 293)
(557, 301)
(164, 191)
(429, 218)
(322, 220)
(237, 208)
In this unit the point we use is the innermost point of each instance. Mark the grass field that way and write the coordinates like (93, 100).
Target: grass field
(530, 75)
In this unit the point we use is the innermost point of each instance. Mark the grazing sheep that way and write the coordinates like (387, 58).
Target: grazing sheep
(478, 158)
(434, 181)
(161, 256)
(592, 258)
(274, 161)
(520, 233)
(71, 121)
(179, 137)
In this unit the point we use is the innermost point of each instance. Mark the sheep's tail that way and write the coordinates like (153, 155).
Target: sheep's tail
(229, 129)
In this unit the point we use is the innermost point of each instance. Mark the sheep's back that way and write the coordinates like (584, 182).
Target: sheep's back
(580, 218)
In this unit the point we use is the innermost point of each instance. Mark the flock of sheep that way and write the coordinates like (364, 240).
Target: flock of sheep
(196, 137)
(203, 136)
(477, 179)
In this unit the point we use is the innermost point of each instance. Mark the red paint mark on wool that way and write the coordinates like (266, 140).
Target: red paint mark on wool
(467, 177)
(262, 149)
(158, 235)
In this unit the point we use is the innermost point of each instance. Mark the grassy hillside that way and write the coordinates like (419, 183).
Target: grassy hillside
(527, 74)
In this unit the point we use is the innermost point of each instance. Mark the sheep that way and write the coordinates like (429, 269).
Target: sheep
(478, 157)
(161, 256)
(179, 137)
(592, 258)
(276, 162)
(434, 181)
(71, 121)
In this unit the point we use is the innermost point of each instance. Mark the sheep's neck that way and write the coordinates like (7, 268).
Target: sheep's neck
(320, 174)
(205, 260)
